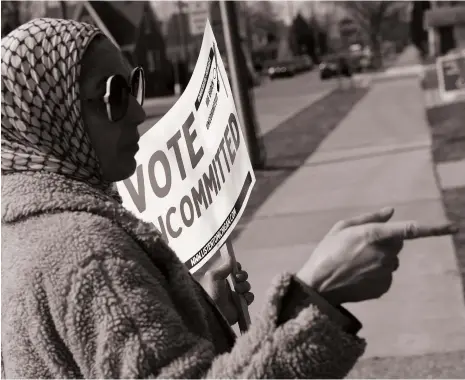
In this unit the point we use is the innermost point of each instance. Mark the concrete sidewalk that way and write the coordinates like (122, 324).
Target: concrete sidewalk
(406, 65)
(378, 156)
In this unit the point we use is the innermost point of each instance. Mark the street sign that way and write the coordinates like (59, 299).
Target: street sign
(451, 74)
(198, 12)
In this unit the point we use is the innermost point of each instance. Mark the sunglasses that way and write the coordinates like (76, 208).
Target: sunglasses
(117, 93)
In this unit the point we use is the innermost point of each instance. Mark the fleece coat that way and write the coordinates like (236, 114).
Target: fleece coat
(90, 291)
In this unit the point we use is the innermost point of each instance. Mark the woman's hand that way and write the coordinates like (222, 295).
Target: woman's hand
(356, 259)
(217, 286)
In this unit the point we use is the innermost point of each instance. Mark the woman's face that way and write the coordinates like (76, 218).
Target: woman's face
(115, 143)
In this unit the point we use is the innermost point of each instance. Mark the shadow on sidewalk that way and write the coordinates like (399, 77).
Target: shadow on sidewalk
(289, 145)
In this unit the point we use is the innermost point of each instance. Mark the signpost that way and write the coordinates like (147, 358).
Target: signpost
(451, 74)
(194, 175)
(198, 12)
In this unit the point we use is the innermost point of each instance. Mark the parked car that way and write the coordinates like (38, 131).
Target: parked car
(329, 67)
(288, 68)
(281, 69)
(336, 65)
(361, 58)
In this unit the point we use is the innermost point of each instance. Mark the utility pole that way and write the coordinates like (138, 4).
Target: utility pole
(239, 80)
(183, 30)
(64, 13)
(183, 35)
(315, 28)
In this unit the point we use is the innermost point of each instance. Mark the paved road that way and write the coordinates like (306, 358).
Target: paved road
(278, 100)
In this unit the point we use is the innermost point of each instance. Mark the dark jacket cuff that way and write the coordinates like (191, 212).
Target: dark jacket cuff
(300, 296)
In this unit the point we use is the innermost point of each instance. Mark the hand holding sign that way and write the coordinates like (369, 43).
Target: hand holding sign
(356, 259)
(216, 285)
(194, 176)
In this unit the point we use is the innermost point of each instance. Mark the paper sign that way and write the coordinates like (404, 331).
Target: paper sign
(194, 176)
(451, 74)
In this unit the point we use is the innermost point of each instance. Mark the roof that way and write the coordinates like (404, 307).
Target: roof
(82, 8)
(118, 24)
(444, 16)
(177, 29)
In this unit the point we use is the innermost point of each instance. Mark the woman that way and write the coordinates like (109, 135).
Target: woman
(90, 291)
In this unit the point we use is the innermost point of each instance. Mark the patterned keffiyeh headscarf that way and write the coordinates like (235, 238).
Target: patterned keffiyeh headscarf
(42, 128)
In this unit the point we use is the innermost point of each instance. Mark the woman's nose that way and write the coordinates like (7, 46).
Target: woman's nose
(136, 113)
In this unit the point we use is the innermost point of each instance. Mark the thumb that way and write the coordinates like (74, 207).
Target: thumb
(409, 230)
(224, 269)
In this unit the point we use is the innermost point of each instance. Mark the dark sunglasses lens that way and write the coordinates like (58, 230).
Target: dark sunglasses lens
(138, 85)
(119, 97)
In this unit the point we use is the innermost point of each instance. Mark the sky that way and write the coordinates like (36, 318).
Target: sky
(285, 10)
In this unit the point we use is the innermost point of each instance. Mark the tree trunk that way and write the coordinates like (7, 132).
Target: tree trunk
(377, 50)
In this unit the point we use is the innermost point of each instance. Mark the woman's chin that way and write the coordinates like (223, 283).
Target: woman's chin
(122, 170)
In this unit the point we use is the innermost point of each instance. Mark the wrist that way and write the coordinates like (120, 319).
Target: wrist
(315, 282)
(330, 308)
(308, 278)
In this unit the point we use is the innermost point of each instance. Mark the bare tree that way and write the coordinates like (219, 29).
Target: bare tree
(15, 13)
(11, 16)
(372, 17)
(262, 15)
(263, 8)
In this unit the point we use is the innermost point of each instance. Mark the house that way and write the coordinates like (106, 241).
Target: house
(445, 23)
(181, 45)
(134, 28)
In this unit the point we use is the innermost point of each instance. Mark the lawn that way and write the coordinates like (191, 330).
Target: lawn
(430, 80)
(447, 124)
(454, 204)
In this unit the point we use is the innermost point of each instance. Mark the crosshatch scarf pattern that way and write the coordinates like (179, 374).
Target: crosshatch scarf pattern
(42, 128)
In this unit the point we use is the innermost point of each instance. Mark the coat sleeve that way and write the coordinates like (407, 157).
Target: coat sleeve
(119, 322)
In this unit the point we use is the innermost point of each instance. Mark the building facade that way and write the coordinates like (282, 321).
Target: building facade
(445, 23)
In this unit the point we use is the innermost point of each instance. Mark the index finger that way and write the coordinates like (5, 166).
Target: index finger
(412, 230)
